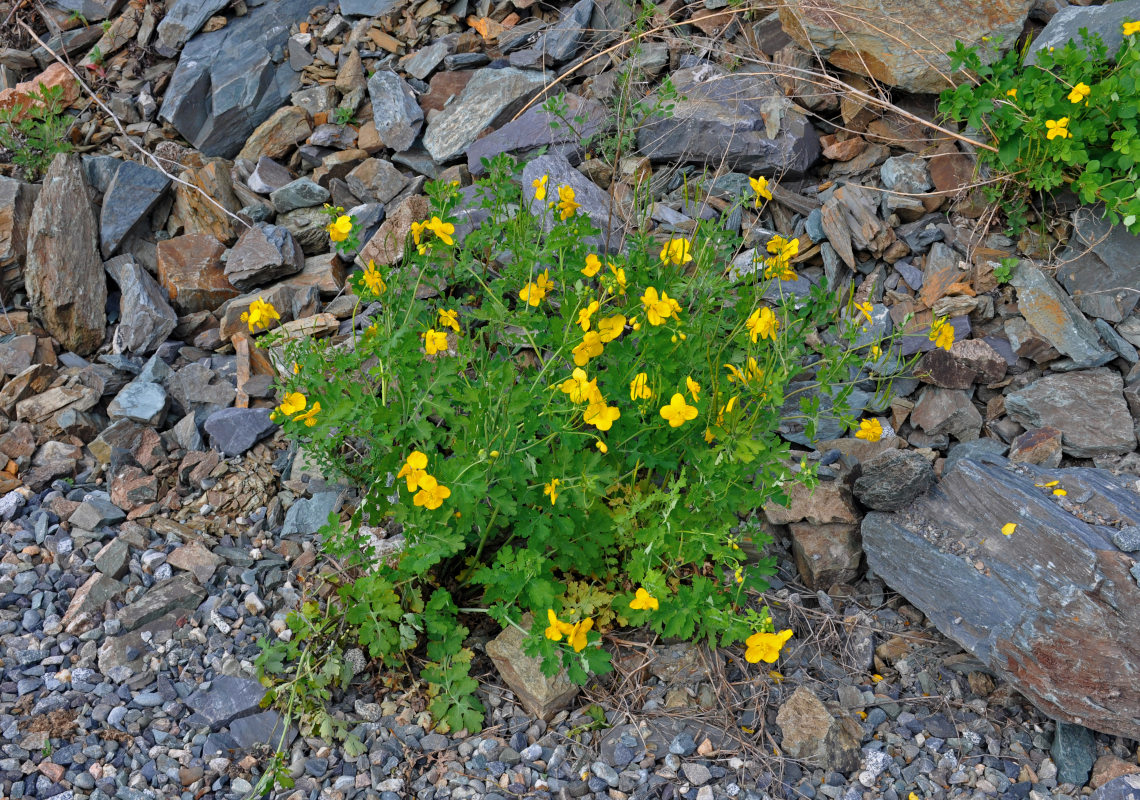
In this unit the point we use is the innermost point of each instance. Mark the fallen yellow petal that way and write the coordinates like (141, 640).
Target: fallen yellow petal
(1008, 528)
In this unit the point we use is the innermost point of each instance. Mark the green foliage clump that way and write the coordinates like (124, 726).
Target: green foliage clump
(35, 132)
(1069, 119)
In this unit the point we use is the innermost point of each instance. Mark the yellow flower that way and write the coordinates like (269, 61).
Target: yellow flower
(760, 187)
(738, 575)
(784, 249)
(539, 185)
(609, 328)
(693, 387)
(598, 443)
(1012, 93)
(1131, 28)
(676, 251)
(584, 315)
(566, 204)
(435, 341)
(876, 351)
(619, 277)
(442, 229)
(292, 403)
(534, 291)
(765, 646)
(762, 324)
(260, 315)
(1048, 485)
(557, 628)
(414, 469)
(580, 389)
(941, 334)
(639, 387)
(1079, 93)
(600, 415)
(1057, 128)
(591, 347)
(1059, 492)
(710, 436)
(577, 636)
(339, 229)
(780, 270)
(449, 319)
(870, 430)
(678, 412)
(865, 310)
(418, 229)
(373, 280)
(644, 601)
(309, 417)
(1008, 528)
(593, 264)
(431, 494)
(658, 308)
(551, 489)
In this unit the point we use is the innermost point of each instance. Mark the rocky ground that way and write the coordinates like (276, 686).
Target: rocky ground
(156, 524)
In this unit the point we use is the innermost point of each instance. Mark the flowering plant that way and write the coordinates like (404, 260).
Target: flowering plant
(1069, 118)
(562, 431)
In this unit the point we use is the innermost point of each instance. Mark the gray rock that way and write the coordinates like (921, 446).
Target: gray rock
(490, 97)
(310, 515)
(523, 136)
(133, 193)
(595, 203)
(829, 423)
(423, 62)
(112, 560)
(92, 10)
(741, 120)
(906, 173)
(96, 512)
(540, 695)
(1127, 539)
(141, 402)
(892, 479)
(947, 411)
(377, 179)
(1088, 407)
(145, 318)
(301, 193)
(89, 600)
(367, 8)
(187, 435)
(263, 253)
(1099, 268)
(1052, 313)
(812, 734)
(395, 112)
(268, 176)
(1121, 346)
(561, 41)
(229, 81)
(257, 730)
(990, 593)
(1074, 752)
(183, 19)
(235, 430)
(1126, 787)
(978, 448)
(229, 698)
(197, 388)
(179, 592)
(1107, 21)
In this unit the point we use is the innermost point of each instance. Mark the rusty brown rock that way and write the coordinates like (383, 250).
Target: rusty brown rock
(966, 363)
(30, 382)
(16, 201)
(190, 269)
(1041, 446)
(950, 169)
(21, 97)
(387, 245)
(64, 273)
(826, 554)
(828, 502)
(444, 86)
(1108, 768)
(326, 272)
(196, 214)
(278, 135)
(842, 150)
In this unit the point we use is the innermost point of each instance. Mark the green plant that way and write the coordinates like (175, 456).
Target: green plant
(34, 132)
(343, 230)
(1069, 119)
(1004, 270)
(344, 115)
(568, 441)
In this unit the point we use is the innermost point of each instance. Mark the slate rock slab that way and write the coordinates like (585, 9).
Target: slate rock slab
(183, 19)
(395, 113)
(308, 515)
(1087, 406)
(263, 253)
(145, 318)
(1126, 787)
(229, 698)
(1099, 268)
(1051, 608)
(740, 119)
(229, 81)
(532, 130)
(892, 479)
(235, 430)
(1053, 314)
(595, 203)
(133, 193)
(181, 592)
(1107, 21)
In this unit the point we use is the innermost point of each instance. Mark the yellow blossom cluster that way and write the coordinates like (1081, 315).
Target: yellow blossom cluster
(430, 493)
(574, 632)
(295, 406)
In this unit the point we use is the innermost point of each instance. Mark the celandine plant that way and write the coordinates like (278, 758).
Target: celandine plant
(1070, 118)
(568, 440)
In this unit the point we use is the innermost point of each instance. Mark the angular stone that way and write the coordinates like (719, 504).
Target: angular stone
(490, 97)
(262, 730)
(1105, 21)
(541, 696)
(181, 592)
(145, 318)
(144, 403)
(235, 430)
(113, 558)
(64, 273)
(326, 272)
(1073, 751)
(851, 222)
(1099, 268)
(826, 554)
(1048, 308)
(278, 135)
(96, 513)
(742, 120)
(133, 193)
(522, 137)
(228, 698)
(308, 515)
(1040, 446)
(195, 558)
(827, 502)
(21, 97)
(990, 593)
(41, 407)
(268, 176)
(966, 363)
(892, 479)
(307, 226)
(287, 298)
(594, 203)
(561, 41)
(1109, 768)
(16, 201)
(367, 8)
(183, 19)
(196, 388)
(884, 43)
(190, 269)
(947, 411)
(301, 193)
(395, 112)
(1123, 788)
(124, 433)
(377, 179)
(812, 734)
(196, 206)
(88, 601)
(263, 253)
(387, 245)
(1087, 406)
(229, 81)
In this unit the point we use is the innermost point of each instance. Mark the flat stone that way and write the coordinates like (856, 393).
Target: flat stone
(975, 449)
(1087, 406)
(541, 696)
(367, 8)
(1099, 267)
(113, 558)
(966, 363)
(89, 600)
(1041, 446)
(309, 515)
(307, 226)
(490, 97)
(812, 734)
(377, 179)
(825, 554)
(268, 176)
(301, 193)
(827, 502)
(387, 245)
(892, 479)
(1104, 21)
(183, 19)
(64, 273)
(263, 253)
(395, 113)
(1109, 768)
(235, 430)
(562, 40)
(190, 269)
(278, 135)
(1126, 787)
(134, 192)
(262, 730)
(145, 318)
(229, 698)
(947, 411)
(127, 650)
(196, 388)
(524, 136)
(181, 592)
(96, 513)
(16, 201)
(141, 402)
(595, 203)
(1048, 308)
(195, 558)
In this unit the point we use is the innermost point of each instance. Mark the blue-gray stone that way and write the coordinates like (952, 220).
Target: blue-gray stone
(235, 430)
(1127, 538)
(145, 318)
(132, 194)
(301, 193)
(1126, 787)
(561, 41)
(595, 204)
(228, 698)
(1107, 20)
(973, 449)
(1050, 310)
(311, 514)
(395, 112)
(1118, 343)
(1073, 751)
(140, 402)
(367, 8)
(183, 19)
(533, 130)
